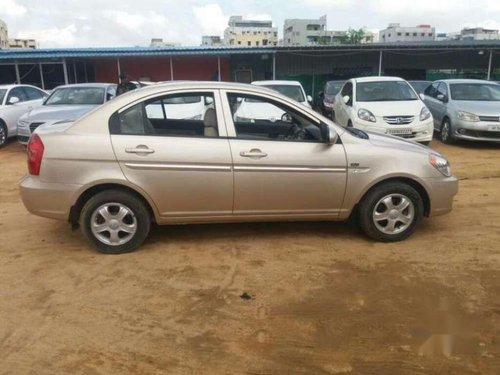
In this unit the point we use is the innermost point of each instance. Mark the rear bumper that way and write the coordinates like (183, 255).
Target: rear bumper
(52, 200)
(441, 192)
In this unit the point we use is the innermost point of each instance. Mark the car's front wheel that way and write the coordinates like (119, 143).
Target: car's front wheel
(446, 134)
(390, 212)
(115, 221)
(3, 134)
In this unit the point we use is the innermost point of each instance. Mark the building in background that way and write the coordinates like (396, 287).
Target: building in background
(22, 43)
(250, 33)
(396, 33)
(158, 42)
(4, 35)
(478, 33)
(211, 40)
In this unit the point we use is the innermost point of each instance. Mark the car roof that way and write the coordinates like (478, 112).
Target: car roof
(377, 79)
(103, 85)
(465, 80)
(14, 85)
(277, 82)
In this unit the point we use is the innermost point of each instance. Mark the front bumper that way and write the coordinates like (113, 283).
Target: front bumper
(441, 192)
(52, 200)
(419, 131)
(476, 131)
(23, 133)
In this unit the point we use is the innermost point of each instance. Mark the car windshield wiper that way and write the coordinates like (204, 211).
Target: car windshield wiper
(358, 133)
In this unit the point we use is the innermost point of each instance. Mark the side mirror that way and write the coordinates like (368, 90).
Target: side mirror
(332, 136)
(309, 98)
(286, 117)
(346, 99)
(442, 98)
(14, 100)
(209, 100)
(422, 96)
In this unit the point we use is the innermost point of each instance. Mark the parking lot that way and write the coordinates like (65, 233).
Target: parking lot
(320, 297)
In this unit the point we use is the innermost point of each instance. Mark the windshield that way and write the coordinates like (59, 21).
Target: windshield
(2, 95)
(475, 91)
(292, 91)
(77, 96)
(384, 91)
(420, 86)
(332, 88)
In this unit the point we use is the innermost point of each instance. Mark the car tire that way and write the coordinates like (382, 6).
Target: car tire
(349, 124)
(446, 135)
(3, 134)
(390, 212)
(115, 221)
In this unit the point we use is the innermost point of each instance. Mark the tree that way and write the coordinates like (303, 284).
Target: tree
(353, 36)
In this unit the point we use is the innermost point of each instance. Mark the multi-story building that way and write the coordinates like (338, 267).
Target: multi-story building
(479, 33)
(22, 43)
(250, 33)
(158, 42)
(4, 35)
(211, 40)
(396, 33)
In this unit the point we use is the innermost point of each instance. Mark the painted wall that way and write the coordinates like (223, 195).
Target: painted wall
(158, 68)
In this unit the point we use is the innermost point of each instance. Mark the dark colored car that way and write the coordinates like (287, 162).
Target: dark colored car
(420, 86)
(327, 96)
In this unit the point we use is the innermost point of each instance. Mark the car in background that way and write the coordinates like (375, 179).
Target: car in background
(292, 89)
(387, 105)
(15, 101)
(420, 86)
(120, 169)
(66, 103)
(327, 97)
(465, 109)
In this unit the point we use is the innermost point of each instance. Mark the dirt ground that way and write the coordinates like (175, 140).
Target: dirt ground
(324, 299)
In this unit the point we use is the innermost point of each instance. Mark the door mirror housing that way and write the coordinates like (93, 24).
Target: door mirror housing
(329, 133)
(14, 100)
(422, 96)
(442, 98)
(346, 99)
(309, 98)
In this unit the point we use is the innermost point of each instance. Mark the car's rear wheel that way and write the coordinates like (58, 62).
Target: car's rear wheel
(446, 134)
(390, 212)
(3, 134)
(115, 222)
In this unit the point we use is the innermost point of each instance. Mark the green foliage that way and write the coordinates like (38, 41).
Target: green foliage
(353, 36)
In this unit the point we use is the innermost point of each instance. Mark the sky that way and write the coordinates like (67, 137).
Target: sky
(106, 23)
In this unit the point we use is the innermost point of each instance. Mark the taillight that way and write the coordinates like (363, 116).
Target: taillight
(35, 154)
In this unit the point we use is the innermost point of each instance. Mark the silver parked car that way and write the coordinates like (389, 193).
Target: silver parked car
(65, 104)
(15, 101)
(465, 109)
(142, 158)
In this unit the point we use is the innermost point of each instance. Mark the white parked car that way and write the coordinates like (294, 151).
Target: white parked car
(292, 89)
(16, 100)
(387, 105)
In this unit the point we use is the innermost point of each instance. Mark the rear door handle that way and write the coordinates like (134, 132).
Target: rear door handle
(141, 149)
(253, 153)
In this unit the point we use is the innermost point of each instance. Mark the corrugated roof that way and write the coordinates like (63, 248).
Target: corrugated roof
(58, 53)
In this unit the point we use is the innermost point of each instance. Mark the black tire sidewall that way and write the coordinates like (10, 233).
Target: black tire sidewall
(4, 127)
(133, 203)
(373, 196)
(449, 140)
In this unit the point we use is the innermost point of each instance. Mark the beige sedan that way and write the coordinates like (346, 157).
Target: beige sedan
(200, 152)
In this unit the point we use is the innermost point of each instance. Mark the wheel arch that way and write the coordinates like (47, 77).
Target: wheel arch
(90, 191)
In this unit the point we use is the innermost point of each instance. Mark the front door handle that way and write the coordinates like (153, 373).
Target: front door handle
(141, 149)
(253, 153)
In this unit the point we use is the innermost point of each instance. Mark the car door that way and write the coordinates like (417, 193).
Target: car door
(34, 96)
(13, 111)
(345, 108)
(174, 147)
(431, 101)
(277, 173)
(441, 101)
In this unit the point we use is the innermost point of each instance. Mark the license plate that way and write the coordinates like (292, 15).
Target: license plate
(399, 131)
(494, 128)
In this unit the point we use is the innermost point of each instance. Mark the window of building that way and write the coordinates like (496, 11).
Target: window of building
(414, 34)
(430, 34)
(399, 34)
(407, 34)
(249, 43)
(257, 43)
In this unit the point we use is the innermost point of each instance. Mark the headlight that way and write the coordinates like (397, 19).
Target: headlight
(424, 114)
(366, 115)
(466, 116)
(441, 164)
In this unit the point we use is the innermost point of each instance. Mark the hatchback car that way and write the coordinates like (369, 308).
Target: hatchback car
(327, 97)
(386, 105)
(465, 109)
(123, 168)
(65, 104)
(292, 89)
(15, 101)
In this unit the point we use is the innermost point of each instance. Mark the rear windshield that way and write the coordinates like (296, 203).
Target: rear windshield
(293, 92)
(384, 91)
(332, 88)
(475, 91)
(2, 95)
(77, 96)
